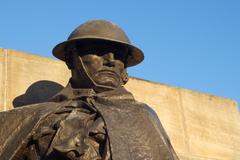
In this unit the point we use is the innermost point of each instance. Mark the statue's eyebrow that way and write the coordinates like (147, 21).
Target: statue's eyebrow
(89, 57)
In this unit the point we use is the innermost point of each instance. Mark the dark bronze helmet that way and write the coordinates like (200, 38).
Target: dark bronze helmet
(100, 30)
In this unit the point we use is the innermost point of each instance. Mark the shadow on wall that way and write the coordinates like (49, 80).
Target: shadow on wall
(38, 92)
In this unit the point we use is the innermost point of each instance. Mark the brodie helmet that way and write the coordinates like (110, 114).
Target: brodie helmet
(100, 30)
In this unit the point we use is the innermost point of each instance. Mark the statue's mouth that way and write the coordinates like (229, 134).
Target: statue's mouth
(107, 72)
(107, 77)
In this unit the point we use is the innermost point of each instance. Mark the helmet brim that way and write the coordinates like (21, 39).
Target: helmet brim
(135, 55)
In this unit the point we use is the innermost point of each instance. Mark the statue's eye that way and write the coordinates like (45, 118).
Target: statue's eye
(92, 59)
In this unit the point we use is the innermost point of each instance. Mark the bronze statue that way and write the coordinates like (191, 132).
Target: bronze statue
(93, 117)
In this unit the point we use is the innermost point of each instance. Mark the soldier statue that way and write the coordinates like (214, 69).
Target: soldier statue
(94, 117)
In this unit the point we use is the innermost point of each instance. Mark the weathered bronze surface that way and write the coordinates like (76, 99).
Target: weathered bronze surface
(93, 117)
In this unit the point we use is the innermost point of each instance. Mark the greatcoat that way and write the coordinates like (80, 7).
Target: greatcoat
(82, 124)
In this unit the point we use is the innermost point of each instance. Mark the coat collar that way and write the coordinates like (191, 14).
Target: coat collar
(69, 93)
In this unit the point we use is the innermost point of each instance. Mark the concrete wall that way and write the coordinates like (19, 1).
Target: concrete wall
(200, 126)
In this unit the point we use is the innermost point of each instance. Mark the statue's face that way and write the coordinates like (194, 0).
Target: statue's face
(104, 63)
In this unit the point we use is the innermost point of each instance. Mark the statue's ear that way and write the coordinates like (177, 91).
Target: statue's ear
(124, 76)
(69, 51)
(69, 61)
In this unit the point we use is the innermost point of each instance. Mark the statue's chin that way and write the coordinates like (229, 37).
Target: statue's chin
(107, 79)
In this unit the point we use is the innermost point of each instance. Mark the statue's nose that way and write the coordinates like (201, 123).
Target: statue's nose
(109, 56)
(109, 59)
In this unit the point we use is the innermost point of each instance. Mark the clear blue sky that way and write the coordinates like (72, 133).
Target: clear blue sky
(193, 44)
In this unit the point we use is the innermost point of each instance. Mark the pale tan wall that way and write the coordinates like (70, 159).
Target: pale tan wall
(2, 81)
(20, 70)
(200, 126)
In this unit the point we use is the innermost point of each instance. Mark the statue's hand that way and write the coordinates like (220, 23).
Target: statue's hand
(80, 136)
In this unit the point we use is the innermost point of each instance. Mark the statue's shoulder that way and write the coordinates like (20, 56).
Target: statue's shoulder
(23, 110)
(29, 113)
(146, 108)
(149, 111)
